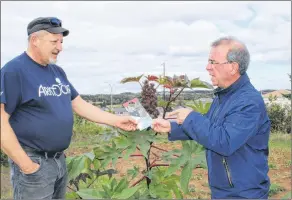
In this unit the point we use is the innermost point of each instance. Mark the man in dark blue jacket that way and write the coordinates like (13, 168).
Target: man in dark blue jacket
(235, 131)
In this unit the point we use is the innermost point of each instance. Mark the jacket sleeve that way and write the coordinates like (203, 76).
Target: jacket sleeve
(177, 133)
(238, 126)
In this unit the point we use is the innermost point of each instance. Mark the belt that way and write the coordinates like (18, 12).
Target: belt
(46, 154)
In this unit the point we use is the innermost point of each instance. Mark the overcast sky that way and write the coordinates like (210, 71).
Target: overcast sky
(112, 40)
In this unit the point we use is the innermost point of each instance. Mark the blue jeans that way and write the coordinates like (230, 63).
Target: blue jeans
(48, 182)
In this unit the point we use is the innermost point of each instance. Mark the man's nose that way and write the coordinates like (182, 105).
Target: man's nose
(59, 46)
(208, 67)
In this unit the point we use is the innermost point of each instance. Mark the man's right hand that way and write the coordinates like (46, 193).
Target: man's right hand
(161, 125)
(33, 167)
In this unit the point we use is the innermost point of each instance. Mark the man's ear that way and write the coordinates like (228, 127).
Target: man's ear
(234, 68)
(34, 40)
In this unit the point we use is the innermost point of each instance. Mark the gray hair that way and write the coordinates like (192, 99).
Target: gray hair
(238, 52)
(38, 33)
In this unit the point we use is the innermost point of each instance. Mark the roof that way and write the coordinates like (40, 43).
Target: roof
(277, 93)
(119, 110)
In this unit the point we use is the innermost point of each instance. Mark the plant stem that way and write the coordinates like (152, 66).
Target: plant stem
(155, 147)
(178, 94)
(141, 179)
(71, 189)
(155, 154)
(158, 165)
(167, 105)
(136, 155)
(153, 162)
(147, 160)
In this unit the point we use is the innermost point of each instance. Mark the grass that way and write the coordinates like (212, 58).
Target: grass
(280, 140)
(275, 189)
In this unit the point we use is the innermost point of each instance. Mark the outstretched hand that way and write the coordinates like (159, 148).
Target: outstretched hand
(126, 123)
(181, 114)
(161, 125)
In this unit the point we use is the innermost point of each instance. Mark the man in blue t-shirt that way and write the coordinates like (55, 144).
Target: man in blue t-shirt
(37, 104)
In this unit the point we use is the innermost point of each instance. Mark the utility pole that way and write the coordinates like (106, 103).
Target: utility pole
(111, 96)
(163, 78)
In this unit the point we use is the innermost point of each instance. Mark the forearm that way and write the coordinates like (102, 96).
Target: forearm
(11, 147)
(93, 113)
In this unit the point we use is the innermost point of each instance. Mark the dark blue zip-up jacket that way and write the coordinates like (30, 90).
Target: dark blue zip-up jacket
(235, 133)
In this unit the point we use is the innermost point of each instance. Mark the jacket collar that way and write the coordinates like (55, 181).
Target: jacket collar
(221, 92)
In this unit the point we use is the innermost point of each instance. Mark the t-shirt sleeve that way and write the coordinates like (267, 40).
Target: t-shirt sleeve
(10, 90)
(74, 92)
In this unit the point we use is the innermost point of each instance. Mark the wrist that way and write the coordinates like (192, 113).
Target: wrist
(27, 166)
(114, 120)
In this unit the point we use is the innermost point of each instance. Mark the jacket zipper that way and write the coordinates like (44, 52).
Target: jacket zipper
(228, 172)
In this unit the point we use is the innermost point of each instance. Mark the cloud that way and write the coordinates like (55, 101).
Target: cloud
(111, 40)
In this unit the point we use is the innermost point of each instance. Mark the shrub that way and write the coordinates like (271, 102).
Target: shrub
(4, 159)
(280, 117)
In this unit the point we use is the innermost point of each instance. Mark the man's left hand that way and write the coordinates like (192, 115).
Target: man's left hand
(126, 123)
(181, 114)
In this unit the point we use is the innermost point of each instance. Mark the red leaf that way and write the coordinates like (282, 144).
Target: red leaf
(152, 78)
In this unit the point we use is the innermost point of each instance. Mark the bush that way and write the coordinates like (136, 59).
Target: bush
(280, 117)
(85, 128)
(3, 159)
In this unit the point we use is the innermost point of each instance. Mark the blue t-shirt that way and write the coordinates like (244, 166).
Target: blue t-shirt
(38, 100)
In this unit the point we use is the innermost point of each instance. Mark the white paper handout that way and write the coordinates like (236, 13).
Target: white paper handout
(138, 112)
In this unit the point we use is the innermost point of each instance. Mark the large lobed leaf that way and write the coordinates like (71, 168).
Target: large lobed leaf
(197, 83)
(131, 79)
(190, 156)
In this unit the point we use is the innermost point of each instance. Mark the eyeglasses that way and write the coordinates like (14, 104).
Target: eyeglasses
(212, 62)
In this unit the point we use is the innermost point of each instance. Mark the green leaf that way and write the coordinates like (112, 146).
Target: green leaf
(69, 159)
(197, 83)
(96, 164)
(133, 172)
(113, 184)
(107, 190)
(90, 194)
(72, 195)
(90, 155)
(127, 193)
(160, 191)
(131, 79)
(186, 175)
(129, 151)
(105, 162)
(121, 185)
(78, 165)
(175, 165)
(99, 153)
(200, 107)
(122, 142)
(144, 147)
(114, 160)
(186, 151)
(178, 194)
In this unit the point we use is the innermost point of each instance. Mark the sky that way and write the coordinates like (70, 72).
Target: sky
(109, 41)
